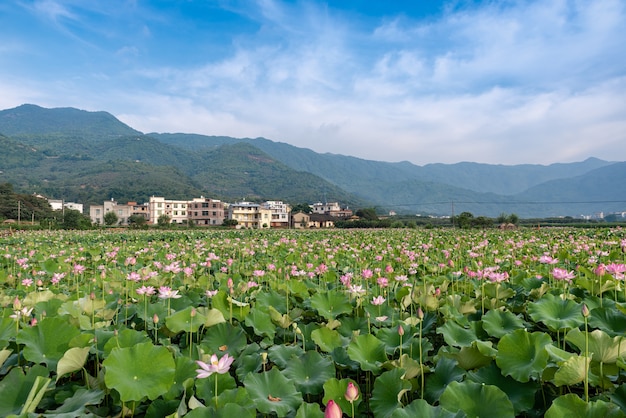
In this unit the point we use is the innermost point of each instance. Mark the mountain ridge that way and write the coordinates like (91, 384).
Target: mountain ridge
(63, 138)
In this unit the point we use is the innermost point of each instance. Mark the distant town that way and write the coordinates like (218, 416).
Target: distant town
(203, 211)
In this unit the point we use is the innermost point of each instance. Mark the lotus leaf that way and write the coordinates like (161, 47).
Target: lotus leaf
(572, 405)
(522, 355)
(73, 360)
(477, 400)
(368, 351)
(611, 321)
(421, 408)
(556, 313)
(16, 386)
(309, 372)
(76, 405)
(605, 349)
(259, 320)
(446, 371)
(48, 341)
(125, 338)
(331, 304)
(143, 370)
(389, 388)
(272, 392)
(327, 339)
(499, 323)
(224, 338)
(336, 389)
(187, 320)
(309, 410)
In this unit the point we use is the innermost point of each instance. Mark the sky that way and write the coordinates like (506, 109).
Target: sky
(426, 81)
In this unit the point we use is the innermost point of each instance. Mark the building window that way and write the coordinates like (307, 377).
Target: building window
(159, 205)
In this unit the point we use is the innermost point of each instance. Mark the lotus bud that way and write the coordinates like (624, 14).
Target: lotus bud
(155, 319)
(420, 313)
(17, 304)
(193, 312)
(332, 410)
(352, 392)
(400, 330)
(585, 310)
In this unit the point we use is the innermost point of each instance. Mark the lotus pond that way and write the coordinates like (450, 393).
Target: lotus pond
(384, 323)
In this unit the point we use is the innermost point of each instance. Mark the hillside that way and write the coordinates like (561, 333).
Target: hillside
(92, 156)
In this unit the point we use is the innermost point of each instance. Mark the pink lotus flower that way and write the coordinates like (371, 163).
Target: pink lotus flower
(220, 366)
(352, 392)
(167, 293)
(378, 300)
(562, 274)
(332, 410)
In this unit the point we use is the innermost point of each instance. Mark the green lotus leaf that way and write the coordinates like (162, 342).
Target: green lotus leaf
(8, 331)
(557, 354)
(228, 410)
(222, 302)
(182, 321)
(522, 355)
(282, 355)
(309, 410)
(477, 400)
(273, 299)
(421, 408)
(16, 386)
(605, 349)
(309, 372)
(205, 388)
(618, 397)
(48, 341)
(391, 339)
(351, 325)
(469, 358)
(4, 355)
(572, 406)
(213, 316)
(327, 339)
(183, 377)
(389, 388)
(41, 296)
(224, 338)
(521, 395)
(282, 320)
(368, 351)
(248, 361)
(162, 408)
(609, 320)
(336, 390)
(143, 370)
(446, 371)
(457, 336)
(76, 405)
(499, 323)
(331, 304)
(572, 371)
(125, 338)
(73, 360)
(272, 392)
(259, 320)
(556, 313)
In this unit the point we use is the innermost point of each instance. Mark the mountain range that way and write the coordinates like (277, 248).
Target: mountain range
(88, 157)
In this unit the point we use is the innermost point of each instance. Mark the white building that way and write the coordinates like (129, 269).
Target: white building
(279, 213)
(250, 215)
(57, 204)
(175, 209)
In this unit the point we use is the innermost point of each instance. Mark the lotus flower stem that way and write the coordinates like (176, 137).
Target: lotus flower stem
(585, 312)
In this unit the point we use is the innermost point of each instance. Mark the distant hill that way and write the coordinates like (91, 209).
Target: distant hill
(92, 156)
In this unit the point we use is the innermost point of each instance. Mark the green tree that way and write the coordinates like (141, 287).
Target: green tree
(464, 220)
(301, 207)
(73, 219)
(137, 221)
(230, 222)
(163, 220)
(367, 213)
(110, 218)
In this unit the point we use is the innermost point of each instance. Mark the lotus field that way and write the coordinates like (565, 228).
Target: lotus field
(360, 323)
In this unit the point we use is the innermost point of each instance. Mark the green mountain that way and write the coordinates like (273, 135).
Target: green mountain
(92, 156)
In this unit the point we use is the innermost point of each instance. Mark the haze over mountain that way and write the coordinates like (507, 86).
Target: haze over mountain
(92, 156)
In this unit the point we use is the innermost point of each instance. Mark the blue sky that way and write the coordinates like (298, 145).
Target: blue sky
(428, 81)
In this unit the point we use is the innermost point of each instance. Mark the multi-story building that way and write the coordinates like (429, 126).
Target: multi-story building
(58, 204)
(176, 210)
(97, 212)
(279, 213)
(203, 211)
(332, 209)
(250, 215)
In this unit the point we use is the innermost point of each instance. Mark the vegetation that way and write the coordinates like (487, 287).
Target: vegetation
(110, 218)
(369, 323)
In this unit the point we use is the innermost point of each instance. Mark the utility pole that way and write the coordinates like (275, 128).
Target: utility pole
(452, 204)
(19, 211)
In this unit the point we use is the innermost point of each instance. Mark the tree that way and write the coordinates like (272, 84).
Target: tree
(73, 219)
(464, 220)
(137, 221)
(301, 207)
(110, 218)
(230, 222)
(367, 213)
(163, 220)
